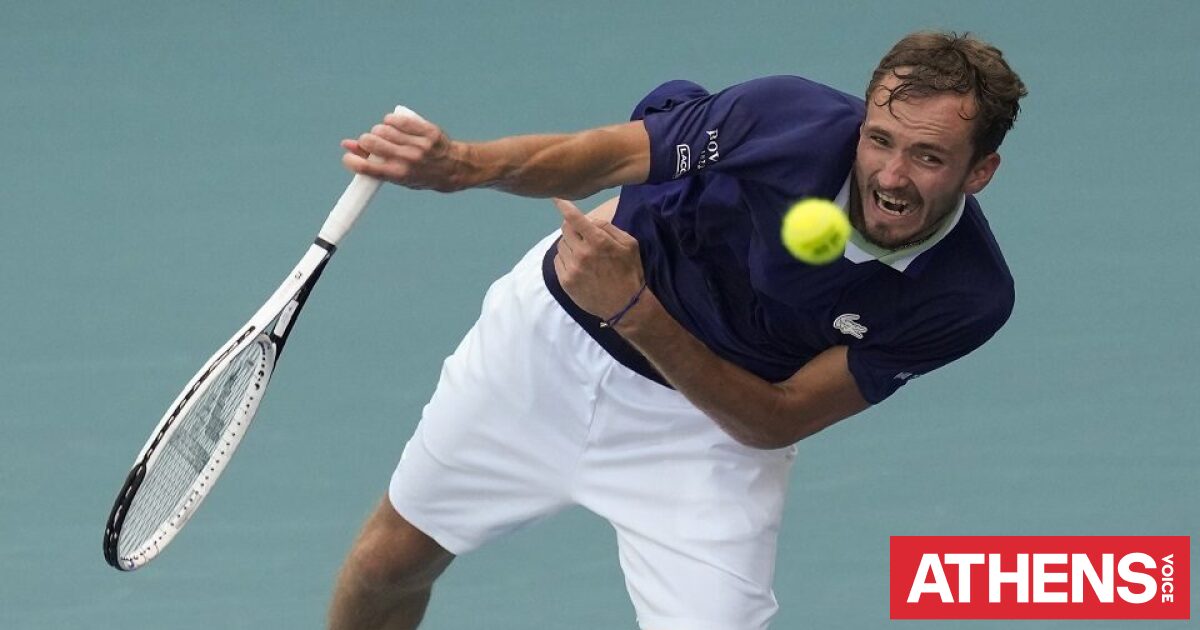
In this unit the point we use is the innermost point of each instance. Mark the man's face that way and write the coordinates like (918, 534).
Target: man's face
(914, 161)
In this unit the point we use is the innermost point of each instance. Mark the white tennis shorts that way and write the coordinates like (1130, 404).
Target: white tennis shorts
(531, 415)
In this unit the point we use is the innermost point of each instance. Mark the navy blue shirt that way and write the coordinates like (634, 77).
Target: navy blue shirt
(724, 168)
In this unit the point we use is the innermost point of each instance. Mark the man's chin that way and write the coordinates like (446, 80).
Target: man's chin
(885, 238)
(892, 232)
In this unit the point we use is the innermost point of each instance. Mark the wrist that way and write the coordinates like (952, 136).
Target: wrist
(489, 165)
(640, 319)
(615, 320)
(468, 170)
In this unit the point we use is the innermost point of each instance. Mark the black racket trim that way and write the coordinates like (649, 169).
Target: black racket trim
(301, 297)
(133, 481)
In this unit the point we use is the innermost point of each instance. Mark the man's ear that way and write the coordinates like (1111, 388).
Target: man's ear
(981, 173)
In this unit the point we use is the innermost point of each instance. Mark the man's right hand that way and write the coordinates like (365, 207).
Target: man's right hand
(415, 153)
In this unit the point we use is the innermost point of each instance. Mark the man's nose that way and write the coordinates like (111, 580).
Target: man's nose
(894, 173)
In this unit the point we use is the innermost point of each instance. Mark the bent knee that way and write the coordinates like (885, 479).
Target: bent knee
(392, 554)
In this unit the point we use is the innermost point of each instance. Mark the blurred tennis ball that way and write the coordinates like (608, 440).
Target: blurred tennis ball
(815, 231)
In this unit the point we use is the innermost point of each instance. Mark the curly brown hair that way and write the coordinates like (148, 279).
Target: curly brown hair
(929, 62)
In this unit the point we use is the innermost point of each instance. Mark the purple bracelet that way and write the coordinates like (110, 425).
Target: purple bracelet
(612, 322)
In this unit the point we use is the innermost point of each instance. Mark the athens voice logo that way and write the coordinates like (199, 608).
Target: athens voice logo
(1040, 577)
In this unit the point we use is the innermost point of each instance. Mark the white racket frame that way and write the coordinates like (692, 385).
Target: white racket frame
(269, 326)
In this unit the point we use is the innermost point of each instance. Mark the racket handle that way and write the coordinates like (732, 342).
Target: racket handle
(355, 199)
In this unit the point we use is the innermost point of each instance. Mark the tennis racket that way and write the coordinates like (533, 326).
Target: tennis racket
(192, 444)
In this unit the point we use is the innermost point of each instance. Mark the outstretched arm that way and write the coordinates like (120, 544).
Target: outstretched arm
(418, 154)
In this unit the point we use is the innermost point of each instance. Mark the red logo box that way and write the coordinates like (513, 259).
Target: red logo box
(1040, 577)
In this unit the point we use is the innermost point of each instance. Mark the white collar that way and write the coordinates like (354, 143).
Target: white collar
(859, 250)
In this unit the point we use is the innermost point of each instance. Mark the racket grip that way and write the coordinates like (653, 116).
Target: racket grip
(355, 198)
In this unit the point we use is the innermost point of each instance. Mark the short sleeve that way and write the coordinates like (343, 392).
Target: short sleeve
(935, 341)
(763, 129)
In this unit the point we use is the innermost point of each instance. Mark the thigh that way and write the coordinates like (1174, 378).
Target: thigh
(696, 514)
(503, 429)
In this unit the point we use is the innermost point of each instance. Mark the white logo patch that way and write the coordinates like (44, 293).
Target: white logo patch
(683, 159)
(847, 324)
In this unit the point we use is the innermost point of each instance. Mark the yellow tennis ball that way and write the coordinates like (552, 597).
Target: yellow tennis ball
(815, 231)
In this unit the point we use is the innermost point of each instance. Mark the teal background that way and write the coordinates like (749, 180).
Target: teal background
(166, 163)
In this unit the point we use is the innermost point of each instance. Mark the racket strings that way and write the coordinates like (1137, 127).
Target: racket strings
(197, 447)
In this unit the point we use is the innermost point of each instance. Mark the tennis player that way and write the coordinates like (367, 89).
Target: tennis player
(656, 360)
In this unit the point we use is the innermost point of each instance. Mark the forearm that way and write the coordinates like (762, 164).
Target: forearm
(599, 267)
(563, 165)
(751, 410)
(410, 151)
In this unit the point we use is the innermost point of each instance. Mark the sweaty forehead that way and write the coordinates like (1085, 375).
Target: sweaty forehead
(948, 115)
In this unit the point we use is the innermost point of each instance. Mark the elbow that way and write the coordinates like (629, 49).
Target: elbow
(768, 444)
(770, 440)
(578, 193)
(792, 418)
(782, 433)
(778, 426)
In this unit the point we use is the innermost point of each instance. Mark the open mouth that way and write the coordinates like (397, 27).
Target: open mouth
(892, 205)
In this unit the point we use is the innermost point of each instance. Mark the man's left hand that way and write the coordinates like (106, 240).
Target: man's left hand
(598, 264)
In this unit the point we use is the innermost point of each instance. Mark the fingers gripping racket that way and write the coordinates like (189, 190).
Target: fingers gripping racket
(192, 444)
